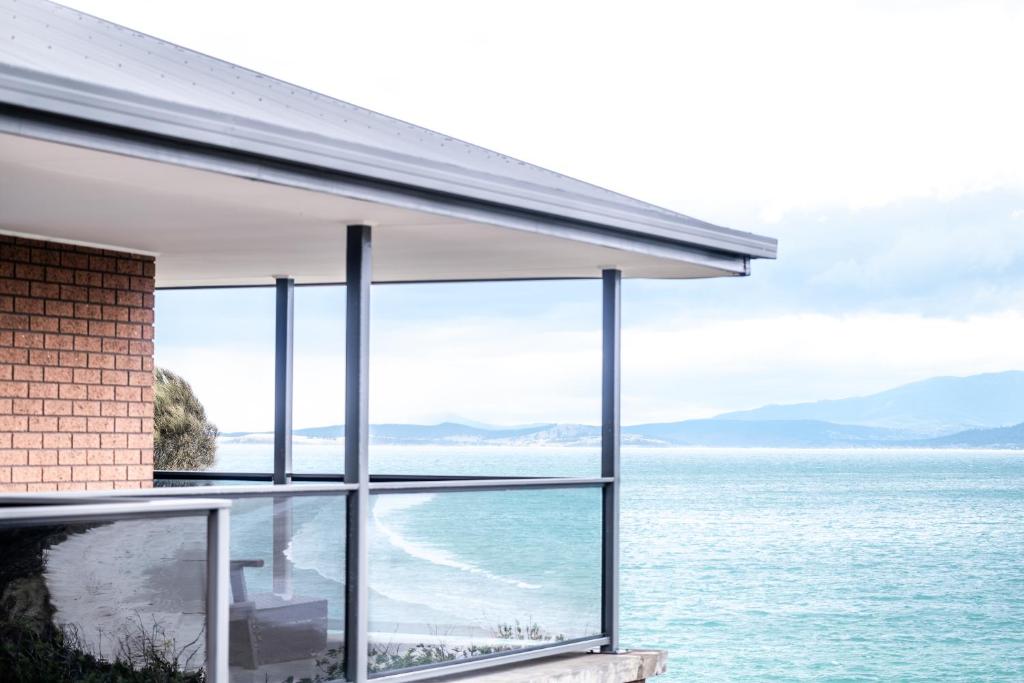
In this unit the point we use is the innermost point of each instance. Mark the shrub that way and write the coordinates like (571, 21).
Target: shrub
(183, 438)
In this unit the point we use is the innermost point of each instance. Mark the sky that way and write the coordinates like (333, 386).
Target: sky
(880, 142)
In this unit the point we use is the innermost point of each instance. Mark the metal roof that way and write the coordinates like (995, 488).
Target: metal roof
(65, 63)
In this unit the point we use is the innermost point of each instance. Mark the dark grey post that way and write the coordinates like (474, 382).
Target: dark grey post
(357, 426)
(610, 439)
(283, 380)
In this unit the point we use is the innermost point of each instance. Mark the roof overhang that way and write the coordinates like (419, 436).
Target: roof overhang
(216, 218)
(237, 188)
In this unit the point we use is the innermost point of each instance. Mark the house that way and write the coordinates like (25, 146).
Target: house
(129, 164)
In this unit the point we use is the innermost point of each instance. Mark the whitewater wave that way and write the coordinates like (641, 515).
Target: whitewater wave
(388, 505)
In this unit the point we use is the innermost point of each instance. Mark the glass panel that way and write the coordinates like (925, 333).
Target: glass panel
(99, 601)
(319, 394)
(288, 588)
(462, 574)
(221, 341)
(498, 378)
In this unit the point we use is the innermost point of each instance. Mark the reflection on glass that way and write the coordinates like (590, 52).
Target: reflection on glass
(103, 601)
(459, 575)
(287, 588)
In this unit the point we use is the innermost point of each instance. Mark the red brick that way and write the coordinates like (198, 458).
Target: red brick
(13, 389)
(60, 309)
(27, 406)
(73, 424)
(29, 340)
(101, 393)
(129, 331)
(61, 342)
(56, 473)
(82, 440)
(128, 456)
(113, 440)
(28, 373)
(43, 390)
(72, 456)
(42, 324)
(99, 328)
(29, 305)
(16, 356)
(73, 391)
(98, 425)
(114, 472)
(26, 440)
(140, 379)
(44, 290)
(26, 474)
(13, 457)
(42, 457)
(127, 362)
(42, 424)
(24, 271)
(13, 423)
(86, 473)
(140, 472)
(99, 295)
(74, 294)
(88, 279)
(93, 344)
(87, 408)
(87, 376)
(101, 456)
(56, 441)
(74, 359)
(58, 407)
(115, 377)
(69, 326)
(61, 276)
(140, 441)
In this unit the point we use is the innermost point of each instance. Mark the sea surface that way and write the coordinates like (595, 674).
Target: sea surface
(745, 564)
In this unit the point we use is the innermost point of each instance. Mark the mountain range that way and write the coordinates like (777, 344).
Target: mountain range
(979, 411)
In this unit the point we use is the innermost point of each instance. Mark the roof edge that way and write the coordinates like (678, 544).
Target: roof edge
(38, 91)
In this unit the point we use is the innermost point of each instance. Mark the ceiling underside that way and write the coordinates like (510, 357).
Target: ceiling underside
(210, 228)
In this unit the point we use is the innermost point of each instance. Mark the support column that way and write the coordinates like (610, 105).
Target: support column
(283, 379)
(610, 439)
(357, 426)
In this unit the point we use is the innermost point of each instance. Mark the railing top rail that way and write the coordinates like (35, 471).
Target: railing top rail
(486, 484)
(25, 508)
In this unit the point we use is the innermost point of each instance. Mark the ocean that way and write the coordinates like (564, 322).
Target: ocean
(745, 564)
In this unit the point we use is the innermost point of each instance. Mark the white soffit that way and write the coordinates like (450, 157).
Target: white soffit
(215, 229)
(79, 70)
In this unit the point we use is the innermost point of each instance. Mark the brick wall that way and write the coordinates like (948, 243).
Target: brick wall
(76, 367)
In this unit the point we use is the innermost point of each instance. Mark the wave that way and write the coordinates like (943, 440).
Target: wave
(388, 505)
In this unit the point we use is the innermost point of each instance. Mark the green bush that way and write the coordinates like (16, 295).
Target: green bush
(183, 438)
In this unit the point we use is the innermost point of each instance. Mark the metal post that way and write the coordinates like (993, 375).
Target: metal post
(610, 438)
(283, 379)
(218, 550)
(357, 426)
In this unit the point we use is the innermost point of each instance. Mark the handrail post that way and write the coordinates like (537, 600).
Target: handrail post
(218, 550)
(357, 359)
(283, 378)
(611, 333)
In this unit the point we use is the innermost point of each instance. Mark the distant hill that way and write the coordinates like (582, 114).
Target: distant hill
(766, 433)
(929, 408)
(939, 412)
(1000, 437)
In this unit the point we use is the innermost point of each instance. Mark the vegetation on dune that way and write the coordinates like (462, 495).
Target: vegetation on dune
(385, 657)
(183, 437)
(55, 655)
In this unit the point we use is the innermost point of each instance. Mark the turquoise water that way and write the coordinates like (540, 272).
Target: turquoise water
(838, 565)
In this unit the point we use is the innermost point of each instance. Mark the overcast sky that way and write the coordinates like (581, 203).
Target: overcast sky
(881, 142)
